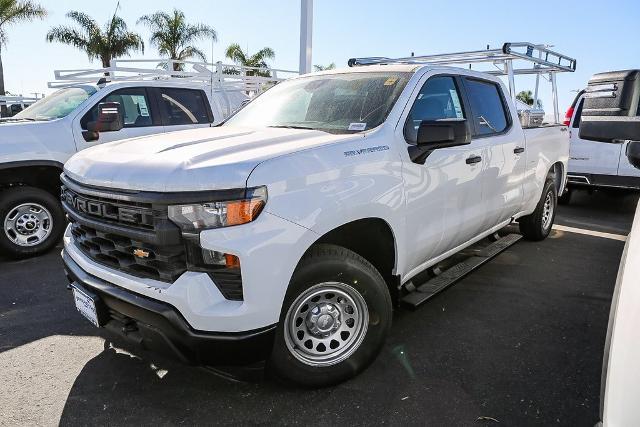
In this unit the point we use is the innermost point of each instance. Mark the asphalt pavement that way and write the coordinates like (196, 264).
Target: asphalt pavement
(518, 342)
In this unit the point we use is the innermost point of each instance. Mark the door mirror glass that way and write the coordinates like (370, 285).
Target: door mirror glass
(109, 119)
(443, 133)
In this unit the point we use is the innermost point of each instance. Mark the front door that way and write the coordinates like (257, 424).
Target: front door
(139, 114)
(443, 191)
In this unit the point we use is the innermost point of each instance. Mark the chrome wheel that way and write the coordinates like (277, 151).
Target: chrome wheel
(326, 324)
(28, 224)
(547, 211)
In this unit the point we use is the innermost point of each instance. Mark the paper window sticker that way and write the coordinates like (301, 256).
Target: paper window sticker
(390, 81)
(456, 103)
(357, 126)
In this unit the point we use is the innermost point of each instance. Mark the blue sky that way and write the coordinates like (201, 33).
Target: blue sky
(601, 36)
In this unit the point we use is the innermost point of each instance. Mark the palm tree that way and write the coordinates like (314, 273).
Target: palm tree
(331, 66)
(525, 96)
(112, 41)
(174, 37)
(12, 12)
(257, 60)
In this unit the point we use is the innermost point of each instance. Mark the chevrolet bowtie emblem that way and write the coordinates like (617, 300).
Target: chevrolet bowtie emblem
(141, 253)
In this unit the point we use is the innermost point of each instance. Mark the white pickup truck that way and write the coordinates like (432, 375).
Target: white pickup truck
(288, 232)
(35, 143)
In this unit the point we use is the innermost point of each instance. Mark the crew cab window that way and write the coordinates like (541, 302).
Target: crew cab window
(438, 99)
(488, 107)
(134, 103)
(184, 106)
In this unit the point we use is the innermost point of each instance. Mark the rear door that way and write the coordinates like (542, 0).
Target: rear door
(590, 157)
(182, 108)
(139, 114)
(503, 179)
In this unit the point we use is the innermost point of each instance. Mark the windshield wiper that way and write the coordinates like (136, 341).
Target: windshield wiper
(292, 127)
(16, 119)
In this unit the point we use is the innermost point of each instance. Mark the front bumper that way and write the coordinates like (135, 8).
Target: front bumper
(147, 324)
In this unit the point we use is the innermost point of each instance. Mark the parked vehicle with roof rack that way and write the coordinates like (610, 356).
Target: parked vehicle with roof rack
(289, 232)
(36, 142)
(14, 104)
(591, 163)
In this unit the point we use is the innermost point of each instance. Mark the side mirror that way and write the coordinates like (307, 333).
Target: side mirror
(611, 107)
(633, 153)
(434, 134)
(110, 119)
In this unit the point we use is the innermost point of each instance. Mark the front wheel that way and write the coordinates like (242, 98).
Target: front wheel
(537, 226)
(32, 221)
(335, 318)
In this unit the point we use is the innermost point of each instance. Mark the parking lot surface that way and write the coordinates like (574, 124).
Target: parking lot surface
(518, 342)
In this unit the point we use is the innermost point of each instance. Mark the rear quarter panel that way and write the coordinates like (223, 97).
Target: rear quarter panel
(546, 146)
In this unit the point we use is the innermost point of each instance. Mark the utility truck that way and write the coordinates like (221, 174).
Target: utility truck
(288, 233)
(593, 164)
(10, 105)
(35, 143)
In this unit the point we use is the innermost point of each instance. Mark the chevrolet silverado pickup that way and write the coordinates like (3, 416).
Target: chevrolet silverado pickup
(287, 233)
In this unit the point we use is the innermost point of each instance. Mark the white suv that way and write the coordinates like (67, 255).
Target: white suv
(288, 233)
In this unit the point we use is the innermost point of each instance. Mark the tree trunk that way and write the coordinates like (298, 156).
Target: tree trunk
(3, 108)
(106, 63)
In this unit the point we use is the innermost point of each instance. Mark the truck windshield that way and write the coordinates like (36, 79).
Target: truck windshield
(57, 105)
(336, 103)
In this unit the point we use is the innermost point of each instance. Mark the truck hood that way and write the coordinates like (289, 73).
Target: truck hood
(23, 140)
(191, 160)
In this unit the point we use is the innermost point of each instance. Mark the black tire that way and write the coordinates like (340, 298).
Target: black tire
(13, 197)
(533, 227)
(565, 199)
(325, 264)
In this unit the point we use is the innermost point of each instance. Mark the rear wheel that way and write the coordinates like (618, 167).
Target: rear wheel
(334, 320)
(537, 226)
(32, 221)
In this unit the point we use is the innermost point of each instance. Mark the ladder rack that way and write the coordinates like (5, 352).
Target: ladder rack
(508, 61)
(228, 77)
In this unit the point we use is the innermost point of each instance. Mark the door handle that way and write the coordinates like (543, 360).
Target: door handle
(473, 159)
(518, 150)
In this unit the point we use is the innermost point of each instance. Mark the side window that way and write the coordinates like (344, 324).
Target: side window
(577, 115)
(438, 99)
(184, 106)
(135, 105)
(488, 107)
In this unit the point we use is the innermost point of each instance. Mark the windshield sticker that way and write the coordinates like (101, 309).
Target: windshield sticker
(366, 150)
(390, 81)
(357, 126)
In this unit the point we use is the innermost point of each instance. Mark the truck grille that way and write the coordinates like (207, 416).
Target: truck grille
(165, 263)
(131, 233)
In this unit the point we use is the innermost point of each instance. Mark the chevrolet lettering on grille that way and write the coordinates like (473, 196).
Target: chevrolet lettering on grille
(107, 210)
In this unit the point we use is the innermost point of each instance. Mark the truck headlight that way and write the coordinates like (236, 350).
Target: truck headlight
(195, 217)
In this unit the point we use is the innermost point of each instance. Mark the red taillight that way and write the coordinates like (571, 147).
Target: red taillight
(567, 117)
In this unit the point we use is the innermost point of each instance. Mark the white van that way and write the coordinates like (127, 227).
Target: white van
(593, 164)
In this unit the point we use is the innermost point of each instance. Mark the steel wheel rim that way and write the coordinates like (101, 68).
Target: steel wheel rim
(547, 211)
(326, 324)
(28, 224)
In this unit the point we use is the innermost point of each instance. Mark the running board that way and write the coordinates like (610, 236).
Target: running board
(450, 276)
